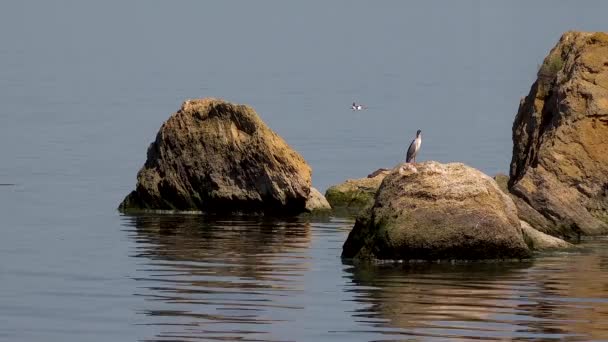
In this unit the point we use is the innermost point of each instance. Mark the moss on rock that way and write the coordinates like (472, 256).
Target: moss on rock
(356, 194)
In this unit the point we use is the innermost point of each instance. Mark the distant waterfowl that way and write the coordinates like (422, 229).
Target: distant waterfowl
(357, 107)
(412, 151)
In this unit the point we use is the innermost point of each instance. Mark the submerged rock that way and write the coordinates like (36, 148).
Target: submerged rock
(355, 194)
(434, 211)
(217, 157)
(559, 168)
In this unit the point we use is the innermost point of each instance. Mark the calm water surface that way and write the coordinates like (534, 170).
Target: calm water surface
(84, 87)
(284, 281)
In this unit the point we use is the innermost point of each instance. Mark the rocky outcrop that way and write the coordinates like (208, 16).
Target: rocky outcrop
(432, 211)
(559, 167)
(356, 194)
(217, 157)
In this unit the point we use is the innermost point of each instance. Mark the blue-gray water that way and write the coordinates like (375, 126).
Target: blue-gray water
(84, 86)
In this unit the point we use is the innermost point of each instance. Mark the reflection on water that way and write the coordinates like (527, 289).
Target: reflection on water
(559, 296)
(283, 281)
(220, 279)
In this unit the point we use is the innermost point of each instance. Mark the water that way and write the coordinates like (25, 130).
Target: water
(284, 281)
(85, 86)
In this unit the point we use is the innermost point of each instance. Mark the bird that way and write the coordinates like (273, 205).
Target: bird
(412, 151)
(357, 107)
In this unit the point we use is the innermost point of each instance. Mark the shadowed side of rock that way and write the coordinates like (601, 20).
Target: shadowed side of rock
(526, 212)
(218, 157)
(535, 228)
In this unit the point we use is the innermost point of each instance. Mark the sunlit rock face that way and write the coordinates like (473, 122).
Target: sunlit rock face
(218, 157)
(559, 167)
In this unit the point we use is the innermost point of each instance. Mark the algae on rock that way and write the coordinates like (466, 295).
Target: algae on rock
(356, 194)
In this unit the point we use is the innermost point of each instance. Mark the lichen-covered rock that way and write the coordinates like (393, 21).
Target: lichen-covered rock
(355, 194)
(560, 134)
(218, 157)
(432, 211)
(539, 241)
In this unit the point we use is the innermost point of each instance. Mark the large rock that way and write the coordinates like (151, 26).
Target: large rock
(560, 134)
(217, 157)
(436, 211)
(355, 194)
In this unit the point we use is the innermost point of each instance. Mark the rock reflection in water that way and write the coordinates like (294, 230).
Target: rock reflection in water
(256, 280)
(221, 279)
(562, 296)
(574, 291)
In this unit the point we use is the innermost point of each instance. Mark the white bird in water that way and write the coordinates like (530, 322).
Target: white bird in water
(412, 151)
(357, 107)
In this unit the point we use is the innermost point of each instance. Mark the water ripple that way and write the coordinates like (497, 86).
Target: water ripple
(269, 280)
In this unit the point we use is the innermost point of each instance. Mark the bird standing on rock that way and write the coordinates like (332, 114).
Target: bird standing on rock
(412, 151)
